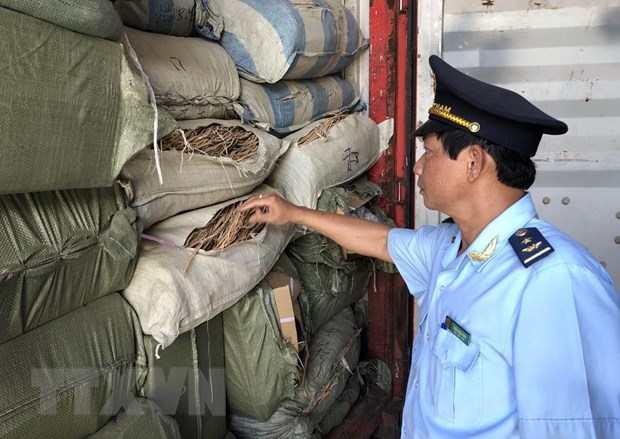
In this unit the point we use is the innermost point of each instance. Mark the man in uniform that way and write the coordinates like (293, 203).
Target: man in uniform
(519, 333)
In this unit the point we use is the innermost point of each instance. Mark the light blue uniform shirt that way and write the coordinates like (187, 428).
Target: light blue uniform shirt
(543, 359)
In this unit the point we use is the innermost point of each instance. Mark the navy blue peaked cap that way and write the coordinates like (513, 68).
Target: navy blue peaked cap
(493, 113)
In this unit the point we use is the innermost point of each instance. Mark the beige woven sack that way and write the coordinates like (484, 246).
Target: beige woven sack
(192, 180)
(175, 289)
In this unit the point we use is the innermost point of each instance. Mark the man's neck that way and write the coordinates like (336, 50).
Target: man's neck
(482, 211)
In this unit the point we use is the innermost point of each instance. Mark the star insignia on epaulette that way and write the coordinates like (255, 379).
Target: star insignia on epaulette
(529, 245)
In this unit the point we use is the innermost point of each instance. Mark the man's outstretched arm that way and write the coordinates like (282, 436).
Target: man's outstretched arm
(361, 236)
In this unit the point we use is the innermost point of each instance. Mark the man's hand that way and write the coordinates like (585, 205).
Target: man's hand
(361, 236)
(271, 209)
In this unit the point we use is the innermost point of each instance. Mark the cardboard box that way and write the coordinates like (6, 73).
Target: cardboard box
(286, 292)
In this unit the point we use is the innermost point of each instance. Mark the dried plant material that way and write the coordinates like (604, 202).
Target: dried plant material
(320, 132)
(214, 140)
(228, 226)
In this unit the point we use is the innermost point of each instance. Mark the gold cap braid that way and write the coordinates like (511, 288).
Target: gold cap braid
(446, 113)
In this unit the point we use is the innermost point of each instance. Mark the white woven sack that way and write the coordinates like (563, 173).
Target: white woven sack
(190, 180)
(346, 151)
(192, 78)
(171, 297)
(271, 40)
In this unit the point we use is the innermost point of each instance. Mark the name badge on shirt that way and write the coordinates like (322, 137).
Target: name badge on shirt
(457, 330)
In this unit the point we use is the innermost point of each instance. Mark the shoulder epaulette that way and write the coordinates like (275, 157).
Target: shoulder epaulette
(530, 246)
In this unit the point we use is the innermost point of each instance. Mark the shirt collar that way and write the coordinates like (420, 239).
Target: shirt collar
(495, 235)
(452, 249)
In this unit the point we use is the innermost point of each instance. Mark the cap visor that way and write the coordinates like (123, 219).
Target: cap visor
(431, 126)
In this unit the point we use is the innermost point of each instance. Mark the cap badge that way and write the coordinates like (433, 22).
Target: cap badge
(445, 112)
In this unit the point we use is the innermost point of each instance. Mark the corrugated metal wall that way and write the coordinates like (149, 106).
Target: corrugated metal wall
(564, 56)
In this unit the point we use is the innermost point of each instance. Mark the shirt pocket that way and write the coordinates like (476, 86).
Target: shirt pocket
(455, 377)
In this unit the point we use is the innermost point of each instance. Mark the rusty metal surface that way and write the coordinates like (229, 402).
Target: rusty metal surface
(389, 92)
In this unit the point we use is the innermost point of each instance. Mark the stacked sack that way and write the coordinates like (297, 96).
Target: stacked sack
(256, 90)
(177, 186)
(158, 126)
(288, 55)
(74, 111)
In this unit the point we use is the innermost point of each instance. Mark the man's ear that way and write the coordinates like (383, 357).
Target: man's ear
(476, 162)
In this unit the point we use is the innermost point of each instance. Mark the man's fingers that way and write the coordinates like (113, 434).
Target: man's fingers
(251, 202)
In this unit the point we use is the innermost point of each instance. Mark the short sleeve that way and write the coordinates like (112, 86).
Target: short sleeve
(416, 252)
(567, 355)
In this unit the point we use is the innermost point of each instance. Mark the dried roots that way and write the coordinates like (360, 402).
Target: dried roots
(215, 141)
(228, 226)
(321, 131)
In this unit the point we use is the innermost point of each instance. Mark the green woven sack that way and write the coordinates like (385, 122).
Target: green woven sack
(73, 109)
(60, 250)
(333, 355)
(142, 419)
(329, 290)
(262, 369)
(67, 378)
(91, 17)
(186, 380)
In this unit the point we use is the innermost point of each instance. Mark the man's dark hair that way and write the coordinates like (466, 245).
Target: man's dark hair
(513, 169)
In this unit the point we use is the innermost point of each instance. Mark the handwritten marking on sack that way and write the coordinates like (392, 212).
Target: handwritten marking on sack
(163, 14)
(352, 158)
(176, 63)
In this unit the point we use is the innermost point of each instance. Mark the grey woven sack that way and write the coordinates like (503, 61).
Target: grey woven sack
(342, 153)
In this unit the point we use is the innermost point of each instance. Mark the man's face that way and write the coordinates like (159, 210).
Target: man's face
(442, 181)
